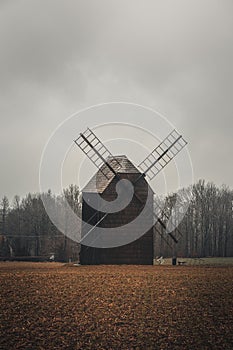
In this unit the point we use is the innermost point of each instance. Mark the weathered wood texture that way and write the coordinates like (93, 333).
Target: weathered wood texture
(140, 251)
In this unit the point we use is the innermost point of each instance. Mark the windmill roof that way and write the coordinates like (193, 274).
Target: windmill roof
(99, 182)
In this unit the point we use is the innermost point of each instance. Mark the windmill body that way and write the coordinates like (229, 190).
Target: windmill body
(140, 251)
(129, 247)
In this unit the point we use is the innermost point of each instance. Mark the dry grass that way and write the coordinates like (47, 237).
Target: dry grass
(56, 306)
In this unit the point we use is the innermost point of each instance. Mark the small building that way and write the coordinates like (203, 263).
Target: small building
(103, 184)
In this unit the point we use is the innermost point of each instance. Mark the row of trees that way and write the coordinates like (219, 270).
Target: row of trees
(26, 229)
(207, 226)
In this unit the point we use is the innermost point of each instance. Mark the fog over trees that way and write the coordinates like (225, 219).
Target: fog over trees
(207, 226)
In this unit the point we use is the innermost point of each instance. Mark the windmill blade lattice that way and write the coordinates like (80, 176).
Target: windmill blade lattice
(163, 237)
(162, 154)
(98, 153)
(163, 219)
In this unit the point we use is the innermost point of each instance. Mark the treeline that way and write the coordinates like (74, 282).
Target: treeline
(207, 226)
(26, 230)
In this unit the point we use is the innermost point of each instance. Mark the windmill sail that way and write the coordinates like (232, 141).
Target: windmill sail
(162, 154)
(97, 152)
(155, 162)
(163, 219)
(163, 237)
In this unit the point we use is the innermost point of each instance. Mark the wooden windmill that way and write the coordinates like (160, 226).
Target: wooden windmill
(112, 169)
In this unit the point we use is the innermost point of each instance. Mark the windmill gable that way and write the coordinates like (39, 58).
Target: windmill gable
(99, 181)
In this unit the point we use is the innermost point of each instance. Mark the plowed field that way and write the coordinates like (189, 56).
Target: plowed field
(57, 306)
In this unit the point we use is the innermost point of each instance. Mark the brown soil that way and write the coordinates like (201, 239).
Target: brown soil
(57, 306)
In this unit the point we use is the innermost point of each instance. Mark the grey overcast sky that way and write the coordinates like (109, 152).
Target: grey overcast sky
(60, 56)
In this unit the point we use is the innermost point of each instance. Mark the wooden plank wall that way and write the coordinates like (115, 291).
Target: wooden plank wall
(137, 252)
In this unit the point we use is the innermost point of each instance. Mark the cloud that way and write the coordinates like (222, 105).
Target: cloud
(58, 56)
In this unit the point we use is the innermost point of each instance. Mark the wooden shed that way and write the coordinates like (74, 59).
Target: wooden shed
(139, 251)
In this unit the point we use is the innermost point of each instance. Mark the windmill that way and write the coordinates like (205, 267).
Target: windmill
(112, 169)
